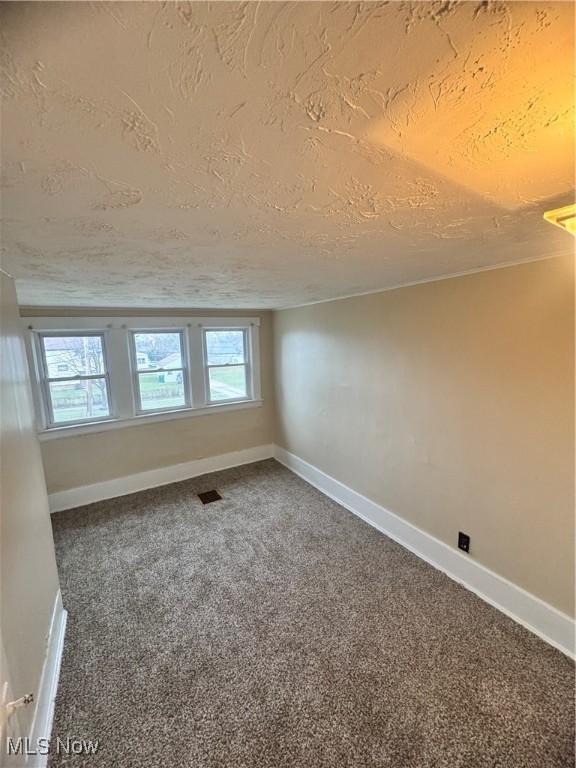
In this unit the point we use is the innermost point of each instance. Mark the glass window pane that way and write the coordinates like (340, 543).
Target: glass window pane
(68, 356)
(158, 350)
(227, 383)
(161, 390)
(77, 400)
(225, 347)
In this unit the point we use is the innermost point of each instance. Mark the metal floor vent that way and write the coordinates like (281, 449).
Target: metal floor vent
(209, 496)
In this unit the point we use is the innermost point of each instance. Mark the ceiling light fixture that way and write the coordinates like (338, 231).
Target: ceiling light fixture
(563, 217)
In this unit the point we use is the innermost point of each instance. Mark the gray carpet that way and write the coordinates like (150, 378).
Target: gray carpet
(275, 629)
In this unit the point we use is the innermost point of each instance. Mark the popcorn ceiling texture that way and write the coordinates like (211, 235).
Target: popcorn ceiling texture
(270, 154)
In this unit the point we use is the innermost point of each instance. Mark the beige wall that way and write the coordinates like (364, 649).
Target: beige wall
(70, 462)
(29, 581)
(451, 404)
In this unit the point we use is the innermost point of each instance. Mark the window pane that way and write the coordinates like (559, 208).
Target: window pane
(158, 350)
(77, 400)
(68, 356)
(225, 347)
(161, 390)
(227, 383)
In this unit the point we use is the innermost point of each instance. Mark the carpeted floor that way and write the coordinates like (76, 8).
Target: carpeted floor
(275, 629)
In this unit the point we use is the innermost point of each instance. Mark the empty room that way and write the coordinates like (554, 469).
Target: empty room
(287, 341)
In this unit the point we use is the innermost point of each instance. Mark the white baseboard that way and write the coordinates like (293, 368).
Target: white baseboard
(46, 696)
(550, 624)
(109, 489)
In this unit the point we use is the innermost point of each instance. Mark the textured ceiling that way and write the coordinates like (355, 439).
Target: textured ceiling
(272, 154)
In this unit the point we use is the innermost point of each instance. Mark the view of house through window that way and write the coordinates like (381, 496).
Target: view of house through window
(226, 364)
(120, 372)
(76, 382)
(160, 370)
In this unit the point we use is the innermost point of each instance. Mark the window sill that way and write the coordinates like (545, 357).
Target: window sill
(72, 430)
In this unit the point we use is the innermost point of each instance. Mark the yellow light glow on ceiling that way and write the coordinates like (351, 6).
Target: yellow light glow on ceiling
(513, 114)
(563, 217)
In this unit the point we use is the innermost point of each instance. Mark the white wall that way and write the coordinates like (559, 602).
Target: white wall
(29, 580)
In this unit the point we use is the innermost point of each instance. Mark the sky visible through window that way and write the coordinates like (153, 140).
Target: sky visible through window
(77, 386)
(160, 388)
(225, 355)
(67, 357)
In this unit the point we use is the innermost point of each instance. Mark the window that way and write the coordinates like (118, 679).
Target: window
(226, 368)
(75, 377)
(115, 371)
(161, 377)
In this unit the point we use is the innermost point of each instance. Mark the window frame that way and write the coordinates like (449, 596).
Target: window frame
(246, 365)
(135, 373)
(123, 395)
(45, 380)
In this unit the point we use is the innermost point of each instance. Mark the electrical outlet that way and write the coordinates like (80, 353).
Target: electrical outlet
(463, 541)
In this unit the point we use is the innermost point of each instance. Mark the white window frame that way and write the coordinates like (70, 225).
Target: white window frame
(184, 346)
(246, 365)
(120, 366)
(45, 379)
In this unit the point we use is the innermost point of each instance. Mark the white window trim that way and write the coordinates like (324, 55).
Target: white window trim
(135, 373)
(45, 380)
(120, 367)
(246, 365)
